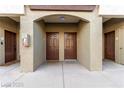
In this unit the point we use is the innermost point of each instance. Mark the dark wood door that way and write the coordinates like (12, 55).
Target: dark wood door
(52, 46)
(10, 46)
(70, 45)
(110, 45)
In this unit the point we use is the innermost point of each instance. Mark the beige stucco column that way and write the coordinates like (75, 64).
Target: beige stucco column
(26, 53)
(96, 43)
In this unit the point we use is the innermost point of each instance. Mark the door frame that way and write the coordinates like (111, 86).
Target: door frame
(5, 45)
(105, 45)
(76, 46)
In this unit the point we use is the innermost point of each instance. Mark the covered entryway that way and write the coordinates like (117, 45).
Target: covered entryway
(61, 38)
(81, 46)
(113, 30)
(9, 40)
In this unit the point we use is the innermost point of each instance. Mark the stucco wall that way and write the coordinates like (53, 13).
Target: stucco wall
(96, 43)
(27, 56)
(84, 44)
(10, 25)
(39, 43)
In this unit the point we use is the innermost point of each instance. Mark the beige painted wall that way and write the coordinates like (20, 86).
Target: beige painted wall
(95, 40)
(10, 25)
(114, 27)
(39, 44)
(84, 44)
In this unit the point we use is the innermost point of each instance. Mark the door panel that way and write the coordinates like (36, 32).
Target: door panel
(70, 45)
(121, 45)
(10, 46)
(52, 46)
(110, 45)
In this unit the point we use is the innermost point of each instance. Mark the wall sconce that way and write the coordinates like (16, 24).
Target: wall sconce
(26, 40)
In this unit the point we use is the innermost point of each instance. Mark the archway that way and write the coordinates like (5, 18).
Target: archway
(69, 35)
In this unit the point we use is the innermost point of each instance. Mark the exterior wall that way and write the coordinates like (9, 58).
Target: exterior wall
(10, 25)
(89, 35)
(61, 28)
(114, 27)
(83, 47)
(39, 43)
(95, 56)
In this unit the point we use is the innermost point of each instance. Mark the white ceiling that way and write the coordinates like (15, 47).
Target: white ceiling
(59, 19)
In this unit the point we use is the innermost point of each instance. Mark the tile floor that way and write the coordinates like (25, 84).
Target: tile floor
(63, 74)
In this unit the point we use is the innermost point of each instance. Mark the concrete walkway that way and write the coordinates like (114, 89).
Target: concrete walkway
(66, 74)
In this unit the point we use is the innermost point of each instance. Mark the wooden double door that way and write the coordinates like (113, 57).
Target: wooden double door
(52, 45)
(110, 45)
(10, 46)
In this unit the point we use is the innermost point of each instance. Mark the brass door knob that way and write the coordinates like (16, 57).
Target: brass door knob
(121, 48)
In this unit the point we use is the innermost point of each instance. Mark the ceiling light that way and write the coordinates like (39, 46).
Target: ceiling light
(62, 18)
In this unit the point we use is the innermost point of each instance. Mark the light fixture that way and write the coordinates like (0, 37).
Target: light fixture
(62, 18)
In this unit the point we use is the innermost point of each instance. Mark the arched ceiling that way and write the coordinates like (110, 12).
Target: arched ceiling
(61, 19)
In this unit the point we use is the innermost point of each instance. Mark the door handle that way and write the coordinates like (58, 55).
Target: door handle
(121, 48)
